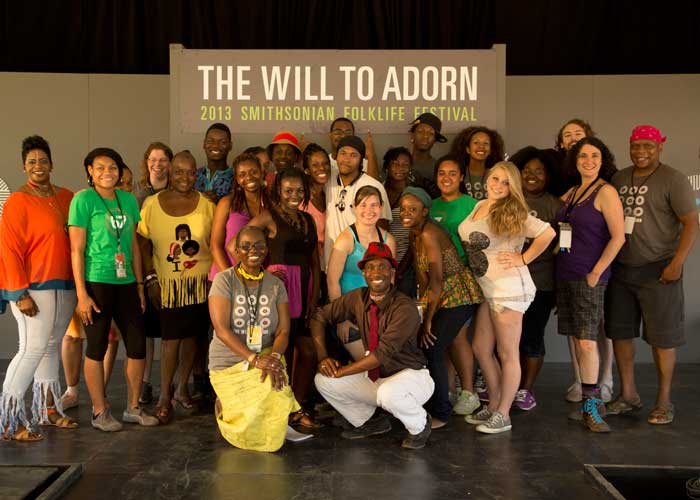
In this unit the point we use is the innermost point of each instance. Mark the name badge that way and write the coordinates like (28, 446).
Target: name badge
(120, 264)
(629, 224)
(565, 233)
(254, 338)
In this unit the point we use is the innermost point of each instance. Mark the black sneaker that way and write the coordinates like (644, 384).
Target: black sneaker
(146, 396)
(341, 421)
(418, 441)
(374, 426)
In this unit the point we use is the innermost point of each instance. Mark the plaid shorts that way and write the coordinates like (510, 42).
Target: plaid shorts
(580, 308)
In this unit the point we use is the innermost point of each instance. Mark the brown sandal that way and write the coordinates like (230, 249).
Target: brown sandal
(662, 414)
(23, 435)
(61, 422)
(302, 418)
(164, 414)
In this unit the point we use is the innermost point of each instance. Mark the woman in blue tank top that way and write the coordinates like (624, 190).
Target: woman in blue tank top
(343, 274)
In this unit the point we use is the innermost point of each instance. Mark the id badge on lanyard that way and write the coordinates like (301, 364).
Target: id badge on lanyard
(254, 338)
(565, 234)
(120, 264)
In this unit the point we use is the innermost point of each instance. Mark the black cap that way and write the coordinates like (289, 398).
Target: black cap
(433, 121)
(354, 142)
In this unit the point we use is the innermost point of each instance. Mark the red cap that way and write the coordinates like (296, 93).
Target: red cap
(377, 250)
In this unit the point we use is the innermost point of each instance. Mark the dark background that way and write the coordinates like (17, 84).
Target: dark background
(544, 37)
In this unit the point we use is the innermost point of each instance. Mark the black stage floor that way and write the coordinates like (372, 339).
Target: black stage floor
(542, 457)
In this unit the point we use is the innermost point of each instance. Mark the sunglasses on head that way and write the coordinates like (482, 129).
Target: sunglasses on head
(341, 200)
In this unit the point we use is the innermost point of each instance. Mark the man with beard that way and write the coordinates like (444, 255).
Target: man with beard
(340, 191)
(392, 375)
(343, 127)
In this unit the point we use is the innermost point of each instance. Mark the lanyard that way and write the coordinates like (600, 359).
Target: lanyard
(115, 224)
(253, 307)
(575, 201)
(632, 186)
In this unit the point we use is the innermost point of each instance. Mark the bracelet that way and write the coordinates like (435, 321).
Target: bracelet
(149, 277)
(251, 357)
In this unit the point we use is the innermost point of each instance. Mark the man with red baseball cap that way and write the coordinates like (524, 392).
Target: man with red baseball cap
(646, 286)
(392, 375)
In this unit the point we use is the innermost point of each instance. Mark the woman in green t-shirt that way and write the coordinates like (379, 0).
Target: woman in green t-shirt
(108, 281)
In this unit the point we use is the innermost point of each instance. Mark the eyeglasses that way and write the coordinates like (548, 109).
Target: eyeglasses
(247, 246)
(342, 132)
(341, 200)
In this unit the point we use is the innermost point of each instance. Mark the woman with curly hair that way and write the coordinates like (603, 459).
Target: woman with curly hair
(247, 199)
(293, 257)
(493, 236)
(537, 169)
(480, 148)
(592, 233)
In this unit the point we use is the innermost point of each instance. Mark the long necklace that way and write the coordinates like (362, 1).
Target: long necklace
(261, 205)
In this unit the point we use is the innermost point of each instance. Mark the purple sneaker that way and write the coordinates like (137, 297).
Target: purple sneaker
(480, 388)
(524, 400)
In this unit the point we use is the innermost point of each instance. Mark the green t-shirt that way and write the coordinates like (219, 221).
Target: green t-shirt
(451, 214)
(88, 211)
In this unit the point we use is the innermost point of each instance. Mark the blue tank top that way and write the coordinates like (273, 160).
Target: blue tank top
(352, 276)
(588, 240)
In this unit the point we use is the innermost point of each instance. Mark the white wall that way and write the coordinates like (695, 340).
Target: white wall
(76, 113)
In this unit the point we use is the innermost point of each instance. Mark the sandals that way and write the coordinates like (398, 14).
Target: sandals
(23, 435)
(61, 421)
(185, 405)
(164, 414)
(662, 414)
(302, 418)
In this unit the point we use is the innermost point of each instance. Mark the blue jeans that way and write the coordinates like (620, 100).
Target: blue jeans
(445, 326)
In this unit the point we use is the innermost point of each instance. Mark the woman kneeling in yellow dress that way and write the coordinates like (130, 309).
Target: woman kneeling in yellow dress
(250, 313)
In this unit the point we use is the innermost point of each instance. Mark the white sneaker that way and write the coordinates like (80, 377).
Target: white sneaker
(574, 393)
(606, 392)
(466, 404)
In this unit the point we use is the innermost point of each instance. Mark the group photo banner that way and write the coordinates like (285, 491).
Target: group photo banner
(256, 91)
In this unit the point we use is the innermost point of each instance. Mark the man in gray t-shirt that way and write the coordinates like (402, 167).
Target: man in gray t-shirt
(661, 224)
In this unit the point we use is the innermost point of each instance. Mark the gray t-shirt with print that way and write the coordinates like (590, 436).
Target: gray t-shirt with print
(542, 268)
(656, 201)
(226, 284)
